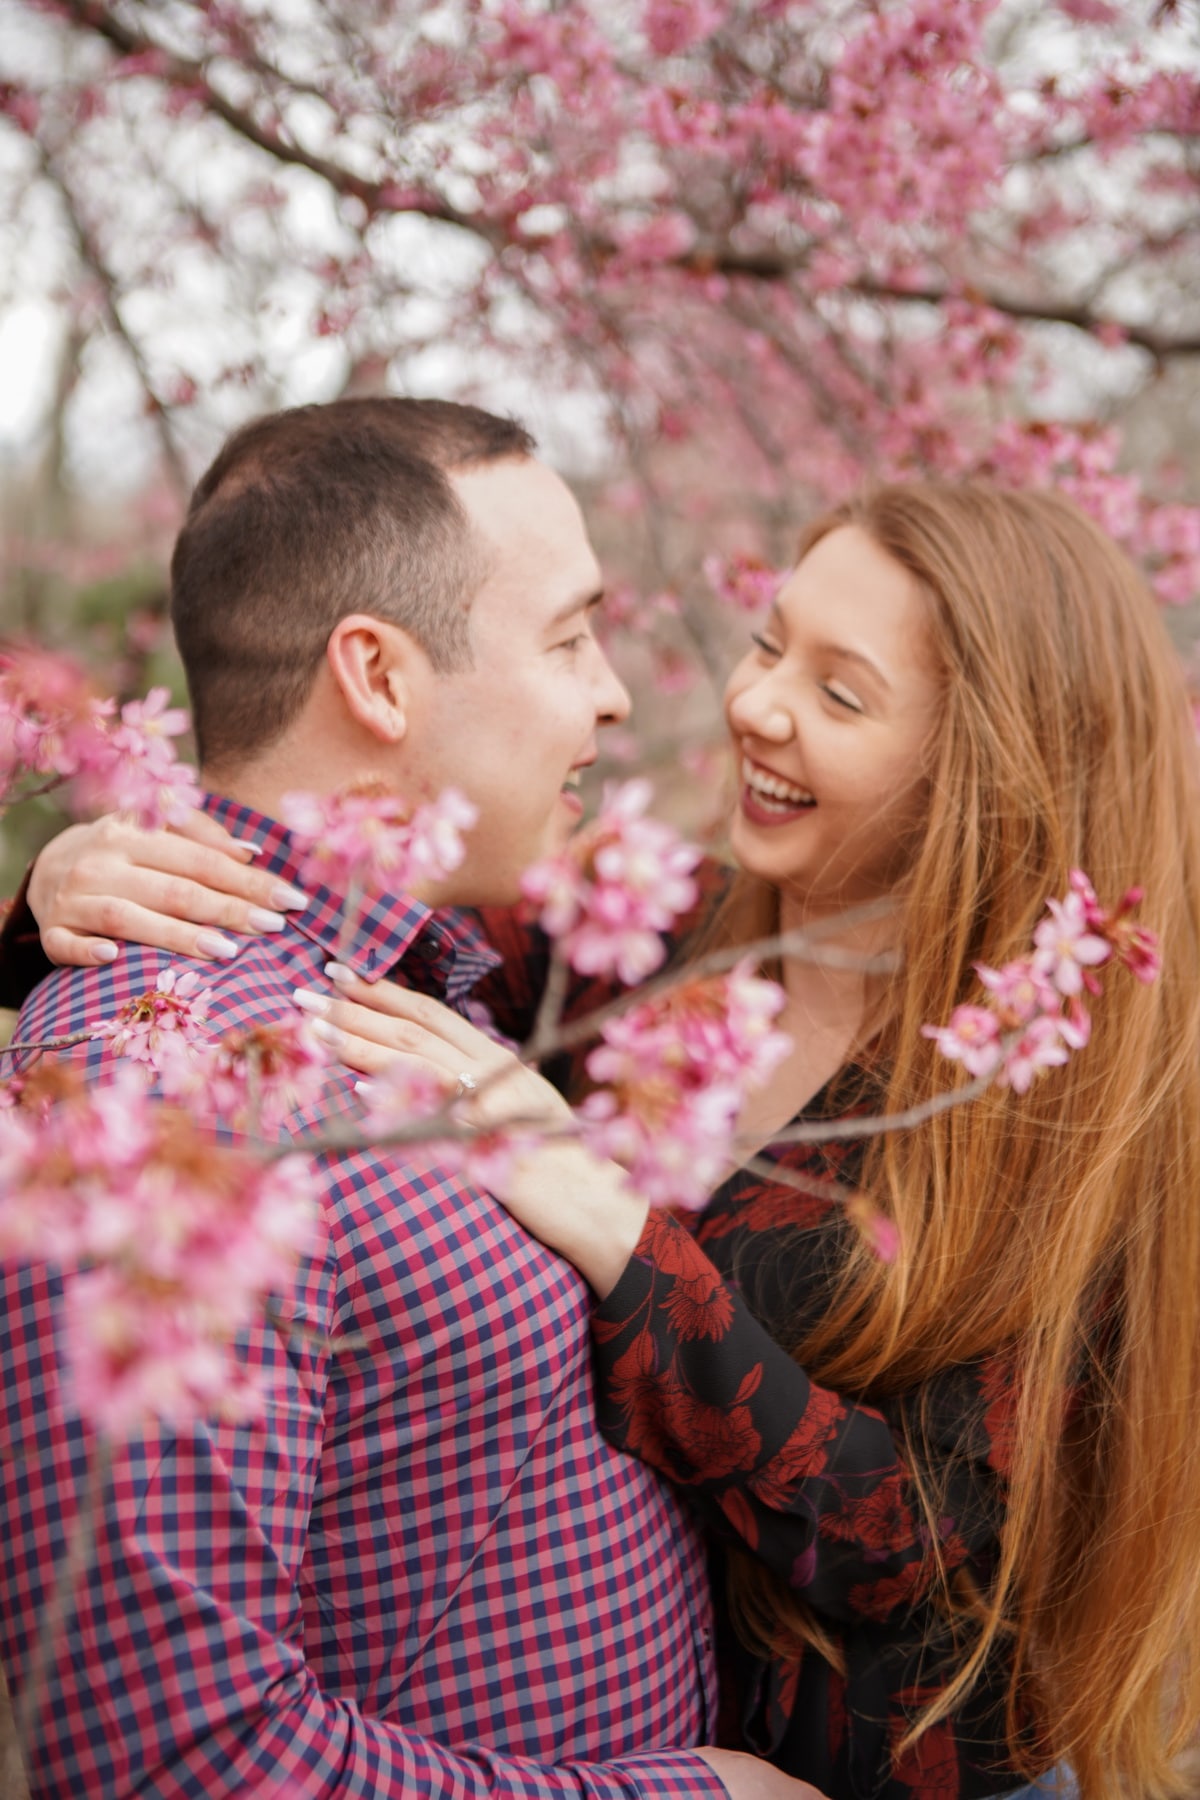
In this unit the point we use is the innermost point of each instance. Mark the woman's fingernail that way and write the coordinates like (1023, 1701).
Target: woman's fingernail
(292, 899)
(337, 971)
(311, 1002)
(329, 1034)
(215, 943)
(262, 920)
(249, 845)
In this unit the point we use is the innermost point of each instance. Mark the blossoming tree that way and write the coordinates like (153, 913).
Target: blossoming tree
(911, 235)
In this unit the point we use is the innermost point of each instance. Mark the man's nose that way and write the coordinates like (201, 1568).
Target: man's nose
(613, 702)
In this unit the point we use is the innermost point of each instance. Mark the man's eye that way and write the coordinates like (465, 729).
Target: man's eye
(841, 697)
(572, 643)
(764, 644)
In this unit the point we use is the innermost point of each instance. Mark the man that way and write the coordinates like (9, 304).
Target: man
(424, 1572)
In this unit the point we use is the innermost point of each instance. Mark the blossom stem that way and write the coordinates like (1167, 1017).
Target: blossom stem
(544, 1036)
(804, 945)
(54, 1043)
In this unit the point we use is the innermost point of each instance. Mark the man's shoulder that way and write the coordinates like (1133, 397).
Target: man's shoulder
(69, 1000)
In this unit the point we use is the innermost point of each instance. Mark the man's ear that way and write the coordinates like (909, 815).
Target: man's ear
(376, 667)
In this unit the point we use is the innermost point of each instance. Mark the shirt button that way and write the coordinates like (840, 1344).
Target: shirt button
(428, 950)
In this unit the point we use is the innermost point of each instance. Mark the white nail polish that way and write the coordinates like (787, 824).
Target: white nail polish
(291, 899)
(329, 1034)
(310, 1002)
(337, 971)
(262, 920)
(216, 944)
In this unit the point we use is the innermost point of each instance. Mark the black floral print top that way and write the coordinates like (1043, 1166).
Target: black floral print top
(693, 1377)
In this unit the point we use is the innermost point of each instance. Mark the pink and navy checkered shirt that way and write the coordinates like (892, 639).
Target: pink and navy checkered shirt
(423, 1572)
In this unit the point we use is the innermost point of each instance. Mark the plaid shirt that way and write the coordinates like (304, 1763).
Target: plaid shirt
(423, 1571)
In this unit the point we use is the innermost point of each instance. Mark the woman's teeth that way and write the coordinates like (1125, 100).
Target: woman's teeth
(772, 791)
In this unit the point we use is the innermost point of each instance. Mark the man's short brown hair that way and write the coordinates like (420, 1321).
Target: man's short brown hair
(311, 514)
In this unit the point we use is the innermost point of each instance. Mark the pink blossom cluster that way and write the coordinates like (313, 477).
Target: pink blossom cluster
(619, 884)
(250, 1079)
(253, 1079)
(672, 26)
(1034, 1016)
(368, 840)
(675, 1073)
(1083, 462)
(148, 1029)
(54, 727)
(742, 581)
(169, 1243)
(911, 134)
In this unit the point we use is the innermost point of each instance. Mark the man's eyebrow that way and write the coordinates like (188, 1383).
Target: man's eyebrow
(587, 603)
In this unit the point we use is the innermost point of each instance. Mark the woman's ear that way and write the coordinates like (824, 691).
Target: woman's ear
(376, 667)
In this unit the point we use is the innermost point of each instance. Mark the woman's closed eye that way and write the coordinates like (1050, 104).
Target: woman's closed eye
(842, 696)
(764, 644)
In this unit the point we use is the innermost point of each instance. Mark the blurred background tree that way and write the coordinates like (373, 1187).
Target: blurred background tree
(729, 258)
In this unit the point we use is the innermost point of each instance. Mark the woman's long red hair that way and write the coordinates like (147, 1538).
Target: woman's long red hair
(1064, 1223)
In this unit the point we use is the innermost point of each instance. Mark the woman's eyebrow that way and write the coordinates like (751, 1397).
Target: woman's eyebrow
(861, 658)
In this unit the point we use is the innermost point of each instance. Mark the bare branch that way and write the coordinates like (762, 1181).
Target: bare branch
(90, 256)
(770, 266)
(184, 72)
(822, 1131)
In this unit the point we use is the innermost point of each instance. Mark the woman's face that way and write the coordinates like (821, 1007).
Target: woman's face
(830, 713)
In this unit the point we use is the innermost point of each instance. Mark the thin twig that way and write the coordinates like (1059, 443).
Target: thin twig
(541, 1040)
(804, 945)
(822, 1131)
(55, 1043)
(796, 1178)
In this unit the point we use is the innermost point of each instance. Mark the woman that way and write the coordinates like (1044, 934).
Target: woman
(954, 1492)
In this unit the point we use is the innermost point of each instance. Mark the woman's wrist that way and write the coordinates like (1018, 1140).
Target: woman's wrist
(581, 1206)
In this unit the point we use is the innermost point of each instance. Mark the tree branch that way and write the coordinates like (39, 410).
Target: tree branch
(766, 265)
(90, 256)
(184, 72)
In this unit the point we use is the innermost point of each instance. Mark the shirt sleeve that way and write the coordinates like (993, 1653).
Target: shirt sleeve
(23, 962)
(817, 1485)
(182, 1671)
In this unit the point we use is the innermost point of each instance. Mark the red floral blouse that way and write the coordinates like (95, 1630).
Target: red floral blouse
(692, 1377)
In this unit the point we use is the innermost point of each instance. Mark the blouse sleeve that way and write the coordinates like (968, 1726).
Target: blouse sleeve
(816, 1485)
(23, 962)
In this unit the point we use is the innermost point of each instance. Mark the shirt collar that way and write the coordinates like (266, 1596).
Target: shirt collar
(442, 953)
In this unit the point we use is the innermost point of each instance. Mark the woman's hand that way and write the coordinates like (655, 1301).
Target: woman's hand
(570, 1200)
(179, 890)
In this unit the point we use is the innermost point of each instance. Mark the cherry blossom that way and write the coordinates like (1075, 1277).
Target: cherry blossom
(169, 1243)
(255, 1077)
(53, 724)
(742, 581)
(1067, 946)
(367, 840)
(1034, 1017)
(175, 1009)
(972, 1038)
(675, 1072)
(620, 883)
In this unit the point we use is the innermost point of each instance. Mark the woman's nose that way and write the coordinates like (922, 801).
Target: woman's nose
(759, 710)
